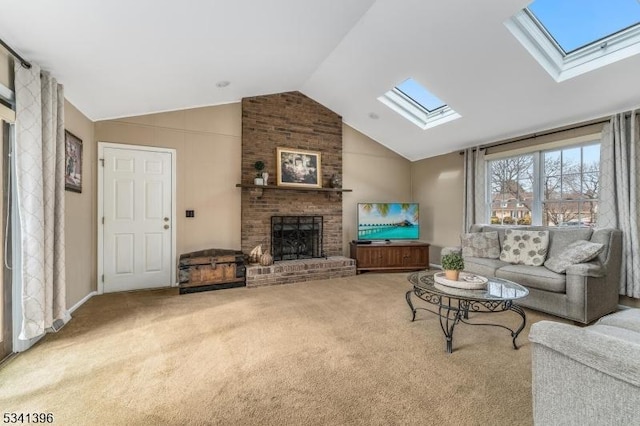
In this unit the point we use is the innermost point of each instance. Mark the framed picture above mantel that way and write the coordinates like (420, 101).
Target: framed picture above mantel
(298, 168)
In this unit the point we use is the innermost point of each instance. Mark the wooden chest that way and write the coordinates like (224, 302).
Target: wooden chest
(211, 269)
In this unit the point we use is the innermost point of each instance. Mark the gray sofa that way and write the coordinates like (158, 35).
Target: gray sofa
(586, 292)
(587, 375)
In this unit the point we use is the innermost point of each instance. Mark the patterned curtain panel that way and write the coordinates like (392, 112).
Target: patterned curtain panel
(39, 165)
(474, 203)
(620, 194)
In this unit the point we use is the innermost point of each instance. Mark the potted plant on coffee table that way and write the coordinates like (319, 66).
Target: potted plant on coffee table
(452, 264)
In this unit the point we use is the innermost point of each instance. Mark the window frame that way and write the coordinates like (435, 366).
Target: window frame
(562, 66)
(415, 112)
(537, 206)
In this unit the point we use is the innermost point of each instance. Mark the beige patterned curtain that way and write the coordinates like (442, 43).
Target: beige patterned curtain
(474, 203)
(620, 192)
(39, 166)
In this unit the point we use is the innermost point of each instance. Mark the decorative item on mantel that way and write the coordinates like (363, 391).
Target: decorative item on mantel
(259, 166)
(336, 181)
(452, 264)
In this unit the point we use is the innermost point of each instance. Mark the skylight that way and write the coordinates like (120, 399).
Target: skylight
(415, 103)
(420, 95)
(571, 37)
(578, 23)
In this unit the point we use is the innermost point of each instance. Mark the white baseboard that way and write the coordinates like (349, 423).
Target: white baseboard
(23, 345)
(82, 301)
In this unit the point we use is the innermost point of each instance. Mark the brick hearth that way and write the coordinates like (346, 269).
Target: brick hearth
(292, 271)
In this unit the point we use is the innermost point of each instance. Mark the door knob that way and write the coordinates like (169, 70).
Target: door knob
(166, 219)
(166, 227)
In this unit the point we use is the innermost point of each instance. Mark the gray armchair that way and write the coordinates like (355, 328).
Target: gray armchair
(587, 375)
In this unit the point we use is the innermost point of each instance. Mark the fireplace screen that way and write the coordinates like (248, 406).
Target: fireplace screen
(296, 237)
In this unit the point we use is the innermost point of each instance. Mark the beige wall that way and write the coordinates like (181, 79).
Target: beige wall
(80, 230)
(6, 79)
(6, 68)
(375, 173)
(208, 147)
(437, 184)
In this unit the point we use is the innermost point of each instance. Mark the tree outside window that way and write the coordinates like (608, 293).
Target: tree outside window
(571, 181)
(569, 187)
(511, 190)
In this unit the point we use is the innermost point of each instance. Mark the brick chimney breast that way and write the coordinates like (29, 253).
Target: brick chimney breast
(289, 120)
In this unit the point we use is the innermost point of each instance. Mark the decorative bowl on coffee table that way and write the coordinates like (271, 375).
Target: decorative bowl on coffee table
(466, 280)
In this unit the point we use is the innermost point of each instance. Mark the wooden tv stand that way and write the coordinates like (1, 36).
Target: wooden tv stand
(390, 257)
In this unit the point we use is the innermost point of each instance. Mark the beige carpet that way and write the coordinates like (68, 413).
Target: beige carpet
(335, 352)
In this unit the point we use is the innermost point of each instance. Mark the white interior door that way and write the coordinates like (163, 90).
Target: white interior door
(137, 217)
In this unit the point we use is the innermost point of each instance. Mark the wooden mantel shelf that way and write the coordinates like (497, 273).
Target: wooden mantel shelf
(291, 188)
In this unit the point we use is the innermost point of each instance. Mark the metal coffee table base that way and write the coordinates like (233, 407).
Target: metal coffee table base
(452, 310)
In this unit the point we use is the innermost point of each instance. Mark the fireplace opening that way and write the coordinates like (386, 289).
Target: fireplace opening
(296, 237)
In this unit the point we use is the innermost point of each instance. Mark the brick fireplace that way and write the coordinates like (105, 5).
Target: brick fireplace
(294, 121)
(289, 120)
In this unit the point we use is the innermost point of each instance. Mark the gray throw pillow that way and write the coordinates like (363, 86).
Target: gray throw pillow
(480, 244)
(577, 252)
(525, 247)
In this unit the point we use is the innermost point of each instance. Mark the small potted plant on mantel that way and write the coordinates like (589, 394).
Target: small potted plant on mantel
(452, 264)
(259, 166)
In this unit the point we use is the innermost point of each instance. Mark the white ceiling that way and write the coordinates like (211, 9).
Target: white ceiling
(122, 58)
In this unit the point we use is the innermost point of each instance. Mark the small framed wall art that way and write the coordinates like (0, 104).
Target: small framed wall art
(73, 162)
(299, 168)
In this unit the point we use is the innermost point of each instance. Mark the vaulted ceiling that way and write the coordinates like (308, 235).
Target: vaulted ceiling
(122, 58)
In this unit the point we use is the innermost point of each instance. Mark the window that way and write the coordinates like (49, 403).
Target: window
(571, 37)
(418, 94)
(574, 24)
(415, 103)
(558, 187)
(511, 184)
(570, 186)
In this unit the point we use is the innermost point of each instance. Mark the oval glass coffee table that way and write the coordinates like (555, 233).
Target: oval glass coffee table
(455, 304)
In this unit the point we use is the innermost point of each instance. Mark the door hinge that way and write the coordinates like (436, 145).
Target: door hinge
(101, 161)
(103, 220)
(102, 277)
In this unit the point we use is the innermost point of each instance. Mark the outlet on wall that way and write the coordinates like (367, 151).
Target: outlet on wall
(191, 213)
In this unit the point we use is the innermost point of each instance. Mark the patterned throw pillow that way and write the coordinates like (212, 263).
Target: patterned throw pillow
(525, 247)
(480, 244)
(576, 252)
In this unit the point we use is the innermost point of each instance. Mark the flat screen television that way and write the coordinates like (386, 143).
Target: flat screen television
(388, 221)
